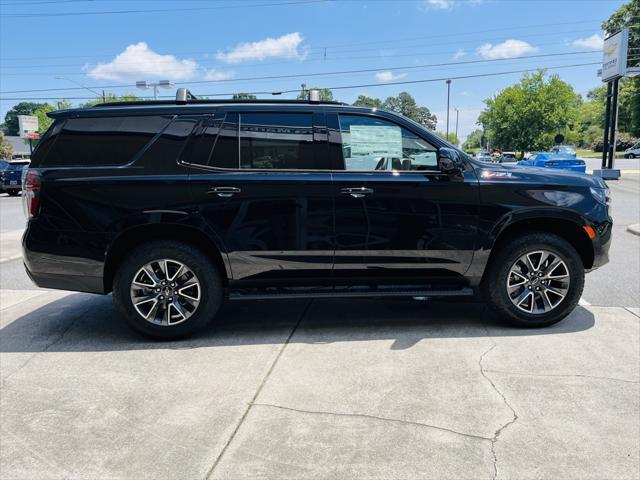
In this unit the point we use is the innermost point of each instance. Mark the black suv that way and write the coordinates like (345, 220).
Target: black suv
(175, 206)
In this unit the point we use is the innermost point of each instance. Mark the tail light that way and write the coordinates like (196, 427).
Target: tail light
(31, 184)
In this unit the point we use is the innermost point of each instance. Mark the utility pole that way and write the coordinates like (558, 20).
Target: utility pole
(448, 100)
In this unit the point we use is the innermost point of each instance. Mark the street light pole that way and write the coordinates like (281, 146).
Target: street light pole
(448, 100)
(144, 85)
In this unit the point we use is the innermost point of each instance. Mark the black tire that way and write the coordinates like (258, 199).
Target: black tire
(206, 272)
(14, 193)
(494, 289)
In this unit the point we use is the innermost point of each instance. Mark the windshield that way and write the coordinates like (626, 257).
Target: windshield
(17, 165)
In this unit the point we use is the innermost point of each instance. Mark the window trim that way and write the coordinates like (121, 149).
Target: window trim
(383, 172)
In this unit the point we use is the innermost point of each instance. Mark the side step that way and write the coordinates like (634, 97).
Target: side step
(282, 294)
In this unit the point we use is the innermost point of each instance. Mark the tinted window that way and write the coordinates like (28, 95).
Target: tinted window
(102, 141)
(166, 149)
(279, 141)
(370, 143)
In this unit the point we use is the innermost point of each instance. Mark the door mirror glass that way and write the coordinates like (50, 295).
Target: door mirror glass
(449, 160)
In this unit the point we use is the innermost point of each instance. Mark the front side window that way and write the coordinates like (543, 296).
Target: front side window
(375, 144)
(281, 141)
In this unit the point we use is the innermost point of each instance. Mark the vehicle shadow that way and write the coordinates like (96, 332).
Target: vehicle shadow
(82, 322)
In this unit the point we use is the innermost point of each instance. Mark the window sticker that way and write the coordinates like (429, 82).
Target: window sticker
(376, 141)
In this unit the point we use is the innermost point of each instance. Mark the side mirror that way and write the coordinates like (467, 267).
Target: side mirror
(449, 160)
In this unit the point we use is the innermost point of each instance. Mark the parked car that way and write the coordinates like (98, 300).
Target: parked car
(564, 149)
(172, 207)
(633, 152)
(507, 157)
(483, 156)
(11, 176)
(555, 160)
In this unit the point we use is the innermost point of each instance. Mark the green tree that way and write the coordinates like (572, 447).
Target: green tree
(11, 118)
(43, 120)
(406, 105)
(112, 97)
(474, 140)
(243, 96)
(452, 138)
(326, 95)
(364, 101)
(6, 149)
(528, 115)
(628, 15)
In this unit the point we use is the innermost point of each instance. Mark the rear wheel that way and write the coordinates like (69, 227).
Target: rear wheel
(167, 289)
(535, 280)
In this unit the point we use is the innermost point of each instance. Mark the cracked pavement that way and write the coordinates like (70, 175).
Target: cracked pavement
(323, 389)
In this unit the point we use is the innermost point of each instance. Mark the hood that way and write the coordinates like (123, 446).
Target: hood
(544, 176)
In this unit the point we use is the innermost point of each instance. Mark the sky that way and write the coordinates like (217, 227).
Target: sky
(62, 49)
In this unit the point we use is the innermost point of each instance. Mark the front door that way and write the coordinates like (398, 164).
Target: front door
(397, 216)
(265, 192)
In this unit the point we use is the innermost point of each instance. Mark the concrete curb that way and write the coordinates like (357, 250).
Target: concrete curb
(635, 229)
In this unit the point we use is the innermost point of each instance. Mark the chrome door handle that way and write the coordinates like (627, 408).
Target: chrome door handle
(357, 192)
(224, 192)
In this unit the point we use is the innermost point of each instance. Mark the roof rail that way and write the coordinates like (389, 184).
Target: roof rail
(183, 96)
(207, 101)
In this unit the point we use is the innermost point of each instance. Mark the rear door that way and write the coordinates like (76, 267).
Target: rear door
(264, 189)
(397, 216)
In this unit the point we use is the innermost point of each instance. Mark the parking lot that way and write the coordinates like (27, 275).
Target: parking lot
(324, 388)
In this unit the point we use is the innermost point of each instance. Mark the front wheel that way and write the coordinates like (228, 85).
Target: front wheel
(167, 289)
(535, 280)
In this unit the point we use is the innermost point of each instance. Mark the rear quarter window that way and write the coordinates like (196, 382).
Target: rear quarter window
(97, 141)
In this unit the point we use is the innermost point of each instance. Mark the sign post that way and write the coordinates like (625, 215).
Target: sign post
(614, 67)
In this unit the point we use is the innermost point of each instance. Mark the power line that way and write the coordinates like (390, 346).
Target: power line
(157, 10)
(319, 74)
(345, 87)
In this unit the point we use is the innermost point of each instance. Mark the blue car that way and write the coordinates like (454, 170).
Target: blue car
(11, 176)
(555, 160)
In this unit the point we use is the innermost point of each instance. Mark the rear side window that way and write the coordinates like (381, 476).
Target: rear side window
(278, 141)
(215, 143)
(101, 141)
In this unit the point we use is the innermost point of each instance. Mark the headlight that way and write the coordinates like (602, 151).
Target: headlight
(600, 194)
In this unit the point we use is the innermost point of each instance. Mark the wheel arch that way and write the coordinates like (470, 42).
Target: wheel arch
(566, 228)
(138, 235)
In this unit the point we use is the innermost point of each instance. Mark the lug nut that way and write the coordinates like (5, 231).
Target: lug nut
(161, 297)
(157, 290)
(170, 299)
(537, 288)
(539, 274)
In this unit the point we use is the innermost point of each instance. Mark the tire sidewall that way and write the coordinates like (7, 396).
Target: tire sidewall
(499, 297)
(200, 265)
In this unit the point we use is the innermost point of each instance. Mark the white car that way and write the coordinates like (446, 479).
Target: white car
(633, 152)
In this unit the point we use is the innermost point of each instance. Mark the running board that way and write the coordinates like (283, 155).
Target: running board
(463, 292)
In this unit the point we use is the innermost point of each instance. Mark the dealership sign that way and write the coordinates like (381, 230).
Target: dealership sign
(614, 56)
(28, 126)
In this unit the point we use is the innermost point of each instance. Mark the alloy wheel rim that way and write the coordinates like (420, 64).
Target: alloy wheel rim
(538, 282)
(165, 292)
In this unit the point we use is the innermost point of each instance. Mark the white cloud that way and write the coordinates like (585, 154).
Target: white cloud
(459, 54)
(595, 42)
(139, 62)
(441, 4)
(286, 46)
(389, 76)
(448, 4)
(214, 74)
(506, 49)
